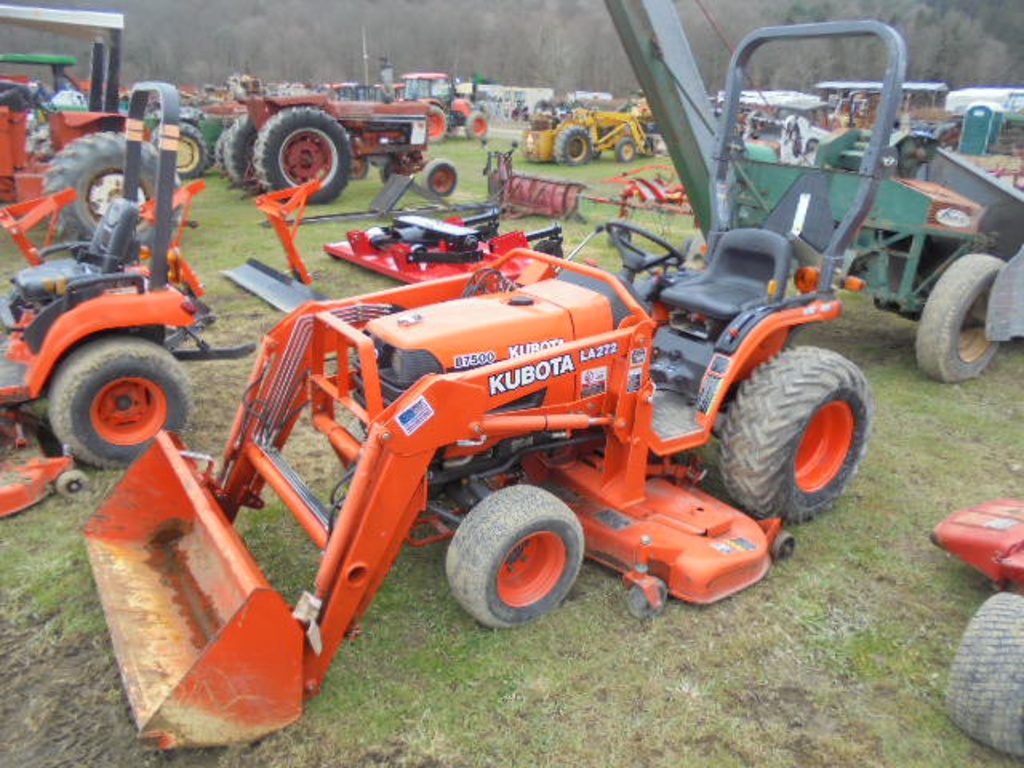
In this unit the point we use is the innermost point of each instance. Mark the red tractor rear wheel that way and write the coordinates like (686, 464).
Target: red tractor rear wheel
(299, 145)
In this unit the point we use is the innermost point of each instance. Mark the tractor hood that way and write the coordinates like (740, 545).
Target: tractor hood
(468, 333)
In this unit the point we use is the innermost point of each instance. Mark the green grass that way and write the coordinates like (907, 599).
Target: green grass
(838, 657)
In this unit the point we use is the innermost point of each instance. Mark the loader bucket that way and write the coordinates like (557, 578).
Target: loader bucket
(209, 653)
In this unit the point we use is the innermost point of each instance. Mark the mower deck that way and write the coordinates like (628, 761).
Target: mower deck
(988, 536)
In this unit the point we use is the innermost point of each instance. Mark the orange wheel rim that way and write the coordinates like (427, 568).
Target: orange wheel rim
(479, 127)
(129, 411)
(825, 445)
(531, 569)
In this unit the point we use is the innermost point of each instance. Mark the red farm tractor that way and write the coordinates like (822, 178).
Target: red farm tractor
(449, 113)
(286, 141)
(529, 424)
(45, 147)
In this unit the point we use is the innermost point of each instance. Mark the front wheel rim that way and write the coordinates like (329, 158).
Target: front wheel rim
(531, 569)
(129, 411)
(825, 446)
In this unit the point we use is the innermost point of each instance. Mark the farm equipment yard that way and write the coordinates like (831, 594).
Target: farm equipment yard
(563, 487)
(838, 657)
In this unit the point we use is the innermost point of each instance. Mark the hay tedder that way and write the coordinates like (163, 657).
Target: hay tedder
(530, 424)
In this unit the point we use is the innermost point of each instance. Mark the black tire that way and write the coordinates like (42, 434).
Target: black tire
(94, 167)
(626, 150)
(194, 154)
(573, 146)
(441, 177)
(109, 398)
(218, 149)
(951, 343)
(986, 681)
(238, 152)
(300, 144)
(796, 434)
(515, 556)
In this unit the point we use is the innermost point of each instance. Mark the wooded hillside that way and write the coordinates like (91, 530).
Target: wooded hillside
(567, 44)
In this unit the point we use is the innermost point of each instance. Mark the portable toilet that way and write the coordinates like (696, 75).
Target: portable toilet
(980, 128)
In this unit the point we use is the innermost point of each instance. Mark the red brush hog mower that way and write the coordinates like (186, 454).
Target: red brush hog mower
(986, 685)
(417, 248)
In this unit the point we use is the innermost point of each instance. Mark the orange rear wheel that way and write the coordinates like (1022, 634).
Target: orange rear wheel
(825, 445)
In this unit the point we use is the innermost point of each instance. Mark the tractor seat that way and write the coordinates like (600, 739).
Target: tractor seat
(49, 280)
(112, 247)
(739, 275)
(114, 244)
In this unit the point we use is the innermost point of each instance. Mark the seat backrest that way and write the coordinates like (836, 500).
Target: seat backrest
(114, 243)
(757, 256)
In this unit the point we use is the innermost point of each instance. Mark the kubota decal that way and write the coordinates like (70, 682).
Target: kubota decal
(509, 381)
(529, 347)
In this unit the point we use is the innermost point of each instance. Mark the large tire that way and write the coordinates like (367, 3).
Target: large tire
(951, 342)
(238, 152)
(94, 167)
(299, 145)
(986, 681)
(515, 556)
(110, 397)
(796, 433)
(218, 149)
(194, 154)
(441, 177)
(573, 146)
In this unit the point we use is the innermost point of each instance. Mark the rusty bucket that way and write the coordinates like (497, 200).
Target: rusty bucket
(208, 651)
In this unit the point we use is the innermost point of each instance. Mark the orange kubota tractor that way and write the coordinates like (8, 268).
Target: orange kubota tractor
(530, 424)
(99, 333)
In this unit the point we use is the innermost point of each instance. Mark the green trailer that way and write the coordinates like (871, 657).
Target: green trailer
(941, 244)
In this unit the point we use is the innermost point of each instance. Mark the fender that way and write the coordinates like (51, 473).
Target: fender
(92, 318)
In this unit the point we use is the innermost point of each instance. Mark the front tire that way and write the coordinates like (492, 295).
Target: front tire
(986, 681)
(299, 145)
(951, 343)
(94, 167)
(110, 397)
(515, 556)
(625, 150)
(441, 177)
(796, 434)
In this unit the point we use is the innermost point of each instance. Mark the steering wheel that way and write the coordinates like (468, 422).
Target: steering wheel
(636, 259)
(487, 280)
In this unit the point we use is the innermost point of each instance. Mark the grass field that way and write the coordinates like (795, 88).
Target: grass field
(838, 658)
